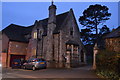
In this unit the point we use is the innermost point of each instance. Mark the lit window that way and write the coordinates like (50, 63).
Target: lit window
(33, 51)
(35, 35)
(68, 46)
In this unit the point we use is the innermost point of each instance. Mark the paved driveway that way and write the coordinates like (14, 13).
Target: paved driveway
(81, 72)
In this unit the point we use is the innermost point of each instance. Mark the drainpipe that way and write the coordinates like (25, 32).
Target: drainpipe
(37, 43)
(42, 47)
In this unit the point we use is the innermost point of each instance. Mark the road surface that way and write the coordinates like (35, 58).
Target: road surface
(81, 72)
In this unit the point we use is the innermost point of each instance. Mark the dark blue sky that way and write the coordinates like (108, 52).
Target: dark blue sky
(25, 13)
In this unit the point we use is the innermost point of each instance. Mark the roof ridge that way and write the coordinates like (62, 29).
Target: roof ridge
(15, 25)
(112, 32)
(62, 13)
(56, 15)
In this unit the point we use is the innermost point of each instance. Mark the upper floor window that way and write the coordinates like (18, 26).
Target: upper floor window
(40, 33)
(35, 35)
(71, 31)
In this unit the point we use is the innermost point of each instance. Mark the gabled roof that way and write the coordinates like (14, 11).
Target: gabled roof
(59, 20)
(17, 33)
(114, 34)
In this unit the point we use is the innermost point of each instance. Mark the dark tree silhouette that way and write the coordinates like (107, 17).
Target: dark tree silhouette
(87, 36)
(93, 16)
(104, 30)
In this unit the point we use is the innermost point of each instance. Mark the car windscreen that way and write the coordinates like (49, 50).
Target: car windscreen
(35, 59)
(41, 59)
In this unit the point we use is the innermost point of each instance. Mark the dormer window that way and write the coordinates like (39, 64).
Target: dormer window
(38, 34)
(35, 35)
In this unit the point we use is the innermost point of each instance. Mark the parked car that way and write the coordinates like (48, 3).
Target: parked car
(35, 63)
(16, 63)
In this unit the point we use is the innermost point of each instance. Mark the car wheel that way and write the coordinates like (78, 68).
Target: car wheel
(33, 68)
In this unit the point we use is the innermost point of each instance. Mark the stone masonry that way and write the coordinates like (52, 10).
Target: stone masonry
(58, 40)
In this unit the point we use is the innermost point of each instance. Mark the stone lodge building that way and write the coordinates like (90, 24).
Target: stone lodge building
(112, 40)
(56, 39)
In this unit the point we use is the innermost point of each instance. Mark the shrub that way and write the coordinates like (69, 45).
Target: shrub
(108, 64)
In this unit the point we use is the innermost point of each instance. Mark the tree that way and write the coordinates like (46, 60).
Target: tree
(87, 36)
(93, 16)
(104, 30)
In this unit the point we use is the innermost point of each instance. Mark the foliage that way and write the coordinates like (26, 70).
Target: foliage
(104, 30)
(108, 64)
(93, 16)
(87, 37)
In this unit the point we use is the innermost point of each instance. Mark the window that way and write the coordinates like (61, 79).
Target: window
(68, 46)
(71, 31)
(40, 33)
(35, 35)
(34, 51)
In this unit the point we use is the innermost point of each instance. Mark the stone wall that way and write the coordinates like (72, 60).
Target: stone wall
(65, 36)
(50, 41)
(44, 46)
(113, 44)
(56, 47)
(31, 49)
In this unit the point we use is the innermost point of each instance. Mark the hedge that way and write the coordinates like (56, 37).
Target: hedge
(108, 64)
